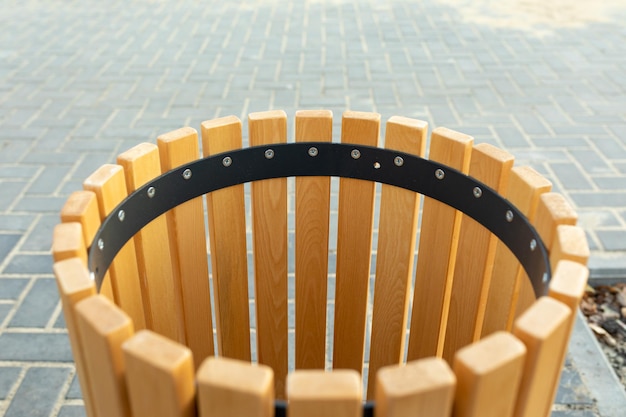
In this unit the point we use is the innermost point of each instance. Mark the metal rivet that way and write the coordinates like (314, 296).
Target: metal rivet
(151, 192)
(187, 174)
(376, 165)
(477, 192)
(100, 244)
(533, 245)
(509, 216)
(227, 161)
(121, 215)
(398, 161)
(269, 154)
(544, 279)
(313, 151)
(355, 154)
(440, 174)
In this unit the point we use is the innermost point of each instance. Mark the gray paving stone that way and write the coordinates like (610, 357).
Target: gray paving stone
(38, 305)
(72, 411)
(29, 264)
(10, 191)
(38, 392)
(8, 378)
(7, 243)
(572, 177)
(583, 199)
(11, 288)
(612, 240)
(38, 204)
(40, 237)
(52, 347)
(74, 393)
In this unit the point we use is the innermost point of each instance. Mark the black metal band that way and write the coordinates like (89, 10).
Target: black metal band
(323, 159)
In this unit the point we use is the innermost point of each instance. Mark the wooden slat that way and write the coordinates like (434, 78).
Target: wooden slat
(354, 245)
(67, 242)
(420, 388)
(227, 232)
(312, 228)
(74, 285)
(109, 185)
(552, 211)
(570, 244)
(232, 388)
(103, 327)
(437, 251)
(269, 230)
(525, 187)
(188, 246)
(397, 230)
(477, 249)
(82, 207)
(159, 284)
(488, 376)
(160, 376)
(315, 393)
(544, 330)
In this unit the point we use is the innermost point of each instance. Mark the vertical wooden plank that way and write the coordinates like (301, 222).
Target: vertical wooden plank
(420, 388)
(477, 249)
(269, 230)
(488, 376)
(74, 284)
(159, 284)
(160, 376)
(397, 230)
(232, 388)
(188, 246)
(315, 393)
(552, 211)
(570, 244)
(67, 242)
(312, 228)
(227, 233)
(103, 328)
(82, 207)
(109, 185)
(354, 245)
(525, 187)
(437, 252)
(544, 330)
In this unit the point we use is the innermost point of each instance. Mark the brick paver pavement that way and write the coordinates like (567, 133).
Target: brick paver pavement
(82, 81)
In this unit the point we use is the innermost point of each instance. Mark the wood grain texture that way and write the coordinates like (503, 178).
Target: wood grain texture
(476, 255)
(160, 286)
(109, 185)
(82, 207)
(269, 231)
(232, 388)
(160, 376)
(74, 285)
(188, 246)
(544, 330)
(488, 376)
(397, 229)
(419, 388)
(315, 393)
(552, 211)
(437, 252)
(354, 245)
(227, 232)
(312, 228)
(103, 327)
(525, 187)
(570, 244)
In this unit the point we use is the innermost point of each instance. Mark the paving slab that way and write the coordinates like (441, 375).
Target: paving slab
(82, 81)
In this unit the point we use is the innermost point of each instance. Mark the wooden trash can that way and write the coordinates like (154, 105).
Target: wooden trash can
(376, 281)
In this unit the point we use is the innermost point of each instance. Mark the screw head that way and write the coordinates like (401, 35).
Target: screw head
(313, 151)
(151, 192)
(544, 279)
(509, 216)
(398, 161)
(477, 192)
(121, 215)
(376, 165)
(533, 244)
(439, 174)
(187, 174)
(269, 154)
(227, 161)
(355, 154)
(100, 244)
